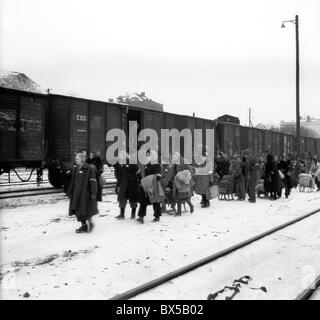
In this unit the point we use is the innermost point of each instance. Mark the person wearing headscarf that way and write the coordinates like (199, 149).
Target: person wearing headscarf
(254, 175)
(237, 169)
(272, 180)
(182, 182)
(285, 166)
(203, 178)
(82, 193)
(223, 165)
(95, 159)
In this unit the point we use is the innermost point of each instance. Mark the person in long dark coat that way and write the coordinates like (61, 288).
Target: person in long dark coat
(97, 162)
(82, 193)
(236, 169)
(223, 165)
(151, 168)
(254, 169)
(285, 167)
(128, 178)
(296, 170)
(271, 182)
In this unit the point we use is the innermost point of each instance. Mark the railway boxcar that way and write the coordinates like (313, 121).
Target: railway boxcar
(78, 125)
(318, 148)
(23, 133)
(308, 146)
(253, 140)
(154, 120)
(289, 144)
(45, 131)
(229, 137)
(277, 143)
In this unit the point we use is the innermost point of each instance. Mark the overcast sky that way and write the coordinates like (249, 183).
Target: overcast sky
(208, 57)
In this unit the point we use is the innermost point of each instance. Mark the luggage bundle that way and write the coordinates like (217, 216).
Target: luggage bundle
(305, 182)
(260, 188)
(226, 187)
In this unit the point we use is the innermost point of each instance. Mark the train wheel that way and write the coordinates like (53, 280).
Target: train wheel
(55, 177)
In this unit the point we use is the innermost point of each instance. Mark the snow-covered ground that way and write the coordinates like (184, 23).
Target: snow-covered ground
(280, 266)
(43, 257)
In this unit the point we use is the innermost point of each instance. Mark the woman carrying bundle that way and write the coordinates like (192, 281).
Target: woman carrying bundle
(182, 182)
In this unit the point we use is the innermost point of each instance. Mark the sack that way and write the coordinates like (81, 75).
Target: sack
(102, 180)
(214, 192)
(305, 180)
(281, 175)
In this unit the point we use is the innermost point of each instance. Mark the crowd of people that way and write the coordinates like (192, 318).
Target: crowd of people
(174, 184)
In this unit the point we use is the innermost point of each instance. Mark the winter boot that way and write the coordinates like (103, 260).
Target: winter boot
(91, 225)
(82, 229)
(140, 220)
(179, 209)
(190, 205)
(203, 201)
(133, 213)
(121, 215)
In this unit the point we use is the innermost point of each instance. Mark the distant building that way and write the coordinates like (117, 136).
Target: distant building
(140, 100)
(18, 81)
(228, 118)
(307, 123)
(261, 126)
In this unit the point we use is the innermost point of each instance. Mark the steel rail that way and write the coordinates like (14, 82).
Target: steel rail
(26, 190)
(37, 192)
(308, 292)
(174, 274)
(19, 183)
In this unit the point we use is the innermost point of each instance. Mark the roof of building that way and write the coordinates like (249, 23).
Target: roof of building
(229, 118)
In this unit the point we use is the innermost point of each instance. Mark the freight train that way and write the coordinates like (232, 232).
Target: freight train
(44, 131)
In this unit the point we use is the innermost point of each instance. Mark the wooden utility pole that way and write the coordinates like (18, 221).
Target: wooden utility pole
(298, 137)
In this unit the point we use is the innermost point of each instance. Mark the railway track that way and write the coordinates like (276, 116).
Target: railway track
(38, 192)
(306, 294)
(18, 183)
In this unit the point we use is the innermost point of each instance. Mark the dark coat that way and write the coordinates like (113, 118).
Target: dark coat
(223, 167)
(286, 167)
(254, 171)
(272, 180)
(82, 192)
(97, 162)
(128, 178)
